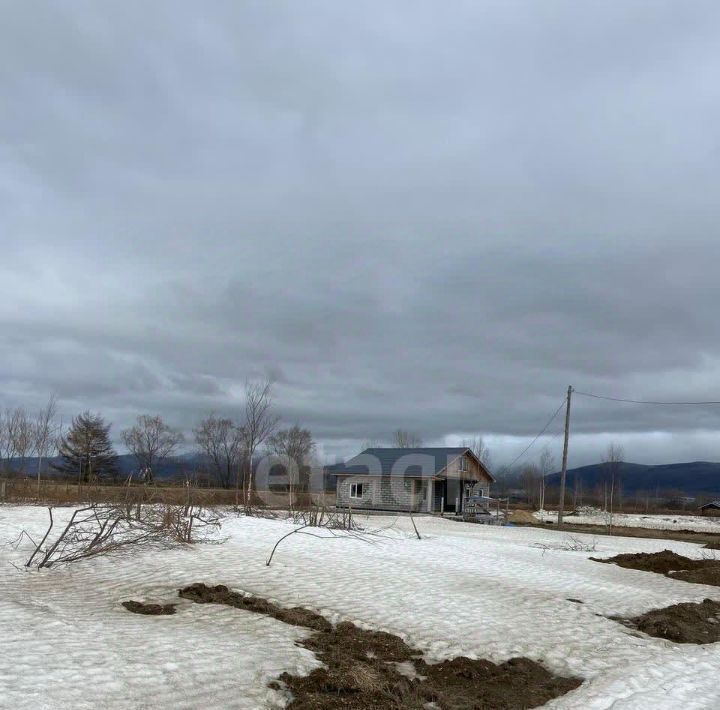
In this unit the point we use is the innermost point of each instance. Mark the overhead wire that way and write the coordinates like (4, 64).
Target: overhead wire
(642, 401)
(542, 431)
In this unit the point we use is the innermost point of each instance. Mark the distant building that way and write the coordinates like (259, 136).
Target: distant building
(441, 479)
(712, 508)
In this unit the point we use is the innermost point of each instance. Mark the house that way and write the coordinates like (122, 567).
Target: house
(712, 508)
(418, 479)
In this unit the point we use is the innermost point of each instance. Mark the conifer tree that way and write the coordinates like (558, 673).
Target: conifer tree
(86, 450)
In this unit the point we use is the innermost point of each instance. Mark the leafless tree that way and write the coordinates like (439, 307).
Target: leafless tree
(259, 425)
(20, 429)
(478, 446)
(370, 443)
(612, 462)
(546, 466)
(151, 441)
(406, 439)
(295, 445)
(220, 440)
(530, 477)
(45, 432)
(6, 441)
(577, 491)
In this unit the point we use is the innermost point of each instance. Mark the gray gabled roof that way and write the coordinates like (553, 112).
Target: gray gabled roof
(417, 462)
(711, 504)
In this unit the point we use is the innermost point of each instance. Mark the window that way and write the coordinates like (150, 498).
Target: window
(463, 464)
(356, 490)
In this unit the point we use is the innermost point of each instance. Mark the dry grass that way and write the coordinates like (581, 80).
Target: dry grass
(60, 493)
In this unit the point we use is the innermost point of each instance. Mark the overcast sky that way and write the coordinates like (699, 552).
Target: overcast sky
(425, 215)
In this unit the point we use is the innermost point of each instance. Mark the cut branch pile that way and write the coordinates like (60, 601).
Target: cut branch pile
(101, 529)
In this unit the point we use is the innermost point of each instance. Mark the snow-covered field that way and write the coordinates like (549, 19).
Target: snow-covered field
(697, 523)
(465, 589)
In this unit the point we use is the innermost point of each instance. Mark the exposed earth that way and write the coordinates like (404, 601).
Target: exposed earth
(373, 669)
(705, 571)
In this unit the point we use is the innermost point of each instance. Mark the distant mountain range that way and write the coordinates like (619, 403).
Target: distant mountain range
(694, 478)
(171, 468)
(691, 478)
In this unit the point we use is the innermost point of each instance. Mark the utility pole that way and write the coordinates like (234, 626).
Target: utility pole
(563, 473)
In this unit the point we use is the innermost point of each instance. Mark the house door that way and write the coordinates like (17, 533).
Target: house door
(440, 498)
(452, 494)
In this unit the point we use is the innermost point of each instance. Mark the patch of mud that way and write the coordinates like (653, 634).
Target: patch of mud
(373, 669)
(150, 609)
(681, 623)
(671, 565)
(297, 616)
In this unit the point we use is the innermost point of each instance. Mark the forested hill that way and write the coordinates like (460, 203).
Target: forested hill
(691, 478)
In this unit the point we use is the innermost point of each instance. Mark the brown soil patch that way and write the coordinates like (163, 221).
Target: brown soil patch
(682, 623)
(671, 565)
(297, 616)
(522, 517)
(372, 669)
(151, 609)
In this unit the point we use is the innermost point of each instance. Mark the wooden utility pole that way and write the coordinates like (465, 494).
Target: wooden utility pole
(563, 473)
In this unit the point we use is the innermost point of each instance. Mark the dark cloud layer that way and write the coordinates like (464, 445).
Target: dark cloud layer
(407, 214)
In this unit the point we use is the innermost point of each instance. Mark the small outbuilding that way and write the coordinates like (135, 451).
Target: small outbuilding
(441, 479)
(712, 508)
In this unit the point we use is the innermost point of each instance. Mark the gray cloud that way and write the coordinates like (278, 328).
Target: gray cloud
(406, 214)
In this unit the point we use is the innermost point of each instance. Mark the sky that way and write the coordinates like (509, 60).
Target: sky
(420, 215)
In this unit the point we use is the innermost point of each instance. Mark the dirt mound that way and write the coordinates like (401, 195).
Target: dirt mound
(682, 623)
(297, 616)
(150, 609)
(704, 575)
(373, 669)
(522, 517)
(671, 565)
(463, 683)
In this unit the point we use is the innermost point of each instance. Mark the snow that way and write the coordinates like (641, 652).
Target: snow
(463, 589)
(696, 523)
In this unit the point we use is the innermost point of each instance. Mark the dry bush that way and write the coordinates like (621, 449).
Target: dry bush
(570, 544)
(102, 529)
(329, 525)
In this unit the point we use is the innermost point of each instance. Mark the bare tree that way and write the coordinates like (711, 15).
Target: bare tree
(21, 430)
(370, 443)
(259, 425)
(295, 446)
(151, 441)
(530, 477)
(220, 440)
(405, 439)
(478, 446)
(612, 462)
(546, 466)
(6, 440)
(45, 431)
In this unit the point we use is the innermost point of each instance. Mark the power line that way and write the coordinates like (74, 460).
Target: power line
(640, 401)
(543, 430)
